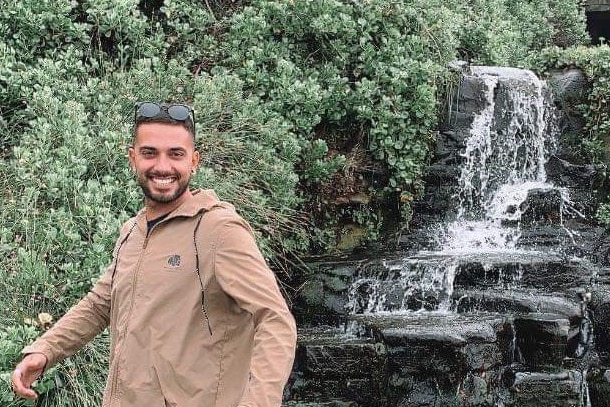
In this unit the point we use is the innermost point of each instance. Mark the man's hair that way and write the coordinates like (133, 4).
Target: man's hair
(163, 116)
(187, 124)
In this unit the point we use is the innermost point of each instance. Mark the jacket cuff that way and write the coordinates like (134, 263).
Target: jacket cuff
(43, 350)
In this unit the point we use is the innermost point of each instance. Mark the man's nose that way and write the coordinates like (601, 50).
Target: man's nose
(163, 163)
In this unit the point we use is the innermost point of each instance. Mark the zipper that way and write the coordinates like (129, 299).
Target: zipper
(117, 356)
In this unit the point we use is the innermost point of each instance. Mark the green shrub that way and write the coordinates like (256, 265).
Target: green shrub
(511, 33)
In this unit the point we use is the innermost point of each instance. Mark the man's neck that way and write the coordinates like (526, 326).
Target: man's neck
(155, 210)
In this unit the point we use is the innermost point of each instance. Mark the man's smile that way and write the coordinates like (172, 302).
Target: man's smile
(163, 180)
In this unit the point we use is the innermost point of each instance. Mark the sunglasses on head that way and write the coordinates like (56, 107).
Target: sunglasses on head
(178, 112)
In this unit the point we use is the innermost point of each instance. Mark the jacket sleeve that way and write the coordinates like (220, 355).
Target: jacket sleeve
(77, 327)
(244, 275)
(85, 320)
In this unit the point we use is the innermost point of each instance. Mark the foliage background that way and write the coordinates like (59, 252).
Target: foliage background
(315, 117)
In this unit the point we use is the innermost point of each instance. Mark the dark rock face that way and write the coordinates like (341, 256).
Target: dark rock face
(525, 327)
(542, 207)
(599, 387)
(548, 389)
(598, 20)
(348, 371)
(566, 174)
(542, 339)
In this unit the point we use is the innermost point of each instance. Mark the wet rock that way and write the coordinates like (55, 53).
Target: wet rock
(544, 236)
(535, 389)
(542, 206)
(603, 248)
(471, 101)
(350, 237)
(475, 389)
(565, 174)
(599, 387)
(560, 275)
(600, 310)
(447, 349)
(542, 271)
(340, 360)
(440, 361)
(323, 292)
(570, 88)
(330, 403)
(330, 366)
(542, 339)
(517, 302)
(568, 85)
(420, 392)
(437, 202)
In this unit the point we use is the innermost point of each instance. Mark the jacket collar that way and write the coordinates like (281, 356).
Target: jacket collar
(202, 199)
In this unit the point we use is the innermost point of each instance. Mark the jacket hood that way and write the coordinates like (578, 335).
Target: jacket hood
(204, 199)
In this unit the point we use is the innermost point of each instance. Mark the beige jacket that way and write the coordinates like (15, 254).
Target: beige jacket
(222, 338)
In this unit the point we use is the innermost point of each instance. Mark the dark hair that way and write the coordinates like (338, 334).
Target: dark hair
(187, 124)
(161, 114)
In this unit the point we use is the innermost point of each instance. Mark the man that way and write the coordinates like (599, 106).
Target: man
(195, 313)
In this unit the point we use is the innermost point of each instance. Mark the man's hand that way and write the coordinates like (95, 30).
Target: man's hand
(26, 372)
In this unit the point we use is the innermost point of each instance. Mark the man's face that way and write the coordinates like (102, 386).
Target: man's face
(163, 156)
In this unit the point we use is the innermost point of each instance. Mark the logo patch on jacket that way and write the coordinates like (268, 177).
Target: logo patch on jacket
(173, 261)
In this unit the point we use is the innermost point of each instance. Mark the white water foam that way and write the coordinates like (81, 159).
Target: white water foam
(504, 160)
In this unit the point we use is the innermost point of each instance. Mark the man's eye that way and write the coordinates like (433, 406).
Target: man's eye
(147, 153)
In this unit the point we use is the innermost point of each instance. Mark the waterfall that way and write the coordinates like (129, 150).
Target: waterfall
(503, 159)
(486, 303)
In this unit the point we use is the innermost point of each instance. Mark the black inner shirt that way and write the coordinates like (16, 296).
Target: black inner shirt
(151, 223)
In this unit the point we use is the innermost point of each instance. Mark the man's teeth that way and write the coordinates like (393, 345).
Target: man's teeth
(164, 181)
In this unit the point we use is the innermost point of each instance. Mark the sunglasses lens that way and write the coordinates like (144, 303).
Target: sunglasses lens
(178, 112)
(148, 110)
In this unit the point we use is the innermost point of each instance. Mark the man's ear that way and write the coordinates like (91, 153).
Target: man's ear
(195, 161)
(131, 156)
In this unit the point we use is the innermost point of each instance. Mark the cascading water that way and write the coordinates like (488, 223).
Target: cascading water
(486, 307)
(504, 159)
(504, 156)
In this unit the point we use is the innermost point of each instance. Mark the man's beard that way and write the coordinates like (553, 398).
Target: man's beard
(143, 180)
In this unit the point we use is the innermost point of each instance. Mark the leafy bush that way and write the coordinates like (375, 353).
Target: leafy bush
(511, 33)
(336, 66)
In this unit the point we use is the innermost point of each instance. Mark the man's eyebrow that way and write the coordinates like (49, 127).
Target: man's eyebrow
(154, 149)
